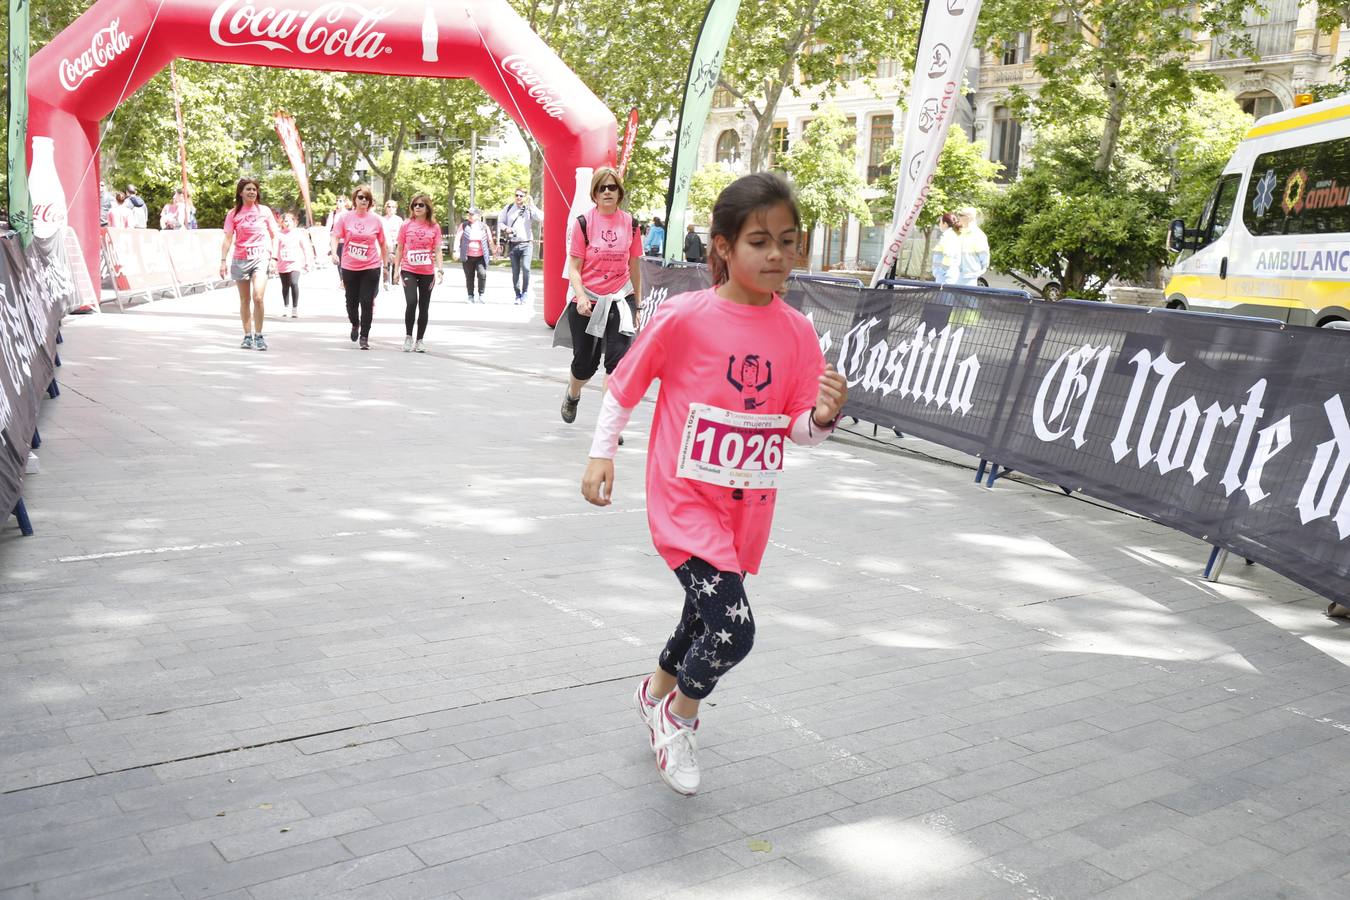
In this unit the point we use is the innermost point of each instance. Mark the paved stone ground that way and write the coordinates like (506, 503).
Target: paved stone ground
(322, 623)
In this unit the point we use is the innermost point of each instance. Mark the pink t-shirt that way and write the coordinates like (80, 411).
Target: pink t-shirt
(763, 360)
(363, 236)
(419, 240)
(291, 253)
(605, 250)
(119, 216)
(253, 227)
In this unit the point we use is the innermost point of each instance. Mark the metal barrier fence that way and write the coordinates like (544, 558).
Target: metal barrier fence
(1231, 430)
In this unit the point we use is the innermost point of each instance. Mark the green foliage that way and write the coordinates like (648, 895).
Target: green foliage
(497, 180)
(823, 169)
(963, 178)
(704, 187)
(825, 41)
(1208, 132)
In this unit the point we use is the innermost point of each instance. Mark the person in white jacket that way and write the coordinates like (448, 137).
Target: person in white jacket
(974, 260)
(947, 251)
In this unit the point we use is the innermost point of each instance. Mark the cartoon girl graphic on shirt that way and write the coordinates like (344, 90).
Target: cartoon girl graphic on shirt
(749, 381)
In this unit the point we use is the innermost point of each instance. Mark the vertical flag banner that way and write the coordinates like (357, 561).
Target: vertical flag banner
(20, 206)
(934, 91)
(705, 67)
(183, 216)
(290, 142)
(629, 136)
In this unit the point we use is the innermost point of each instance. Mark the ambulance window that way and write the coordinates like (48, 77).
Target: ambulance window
(1222, 207)
(1300, 190)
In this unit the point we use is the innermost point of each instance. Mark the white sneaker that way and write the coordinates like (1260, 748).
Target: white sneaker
(419, 347)
(407, 344)
(646, 711)
(676, 750)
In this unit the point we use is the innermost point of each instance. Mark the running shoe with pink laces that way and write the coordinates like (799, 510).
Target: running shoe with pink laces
(646, 709)
(676, 749)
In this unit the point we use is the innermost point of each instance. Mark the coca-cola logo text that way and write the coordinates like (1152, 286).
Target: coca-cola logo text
(340, 28)
(544, 94)
(107, 45)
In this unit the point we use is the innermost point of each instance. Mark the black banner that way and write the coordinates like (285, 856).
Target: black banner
(1234, 431)
(36, 289)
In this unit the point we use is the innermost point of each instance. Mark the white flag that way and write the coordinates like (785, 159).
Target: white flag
(934, 92)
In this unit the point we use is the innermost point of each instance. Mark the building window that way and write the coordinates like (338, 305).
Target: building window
(883, 136)
(1006, 146)
(1271, 30)
(1260, 103)
(887, 67)
(722, 98)
(778, 142)
(729, 148)
(1016, 49)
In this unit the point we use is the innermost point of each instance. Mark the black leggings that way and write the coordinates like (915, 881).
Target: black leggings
(290, 289)
(475, 265)
(417, 294)
(587, 350)
(361, 286)
(716, 628)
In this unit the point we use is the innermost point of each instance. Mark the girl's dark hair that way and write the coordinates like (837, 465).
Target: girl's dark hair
(239, 192)
(950, 220)
(739, 201)
(431, 208)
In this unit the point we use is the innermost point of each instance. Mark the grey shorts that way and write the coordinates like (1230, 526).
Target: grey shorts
(244, 269)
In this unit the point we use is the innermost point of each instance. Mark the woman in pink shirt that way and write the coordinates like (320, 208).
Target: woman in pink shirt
(741, 372)
(119, 214)
(294, 255)
(605, 271)
(252, 229)
(360, 235)
(417, 263)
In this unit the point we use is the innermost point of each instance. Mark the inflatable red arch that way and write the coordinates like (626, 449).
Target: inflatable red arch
(118, 45)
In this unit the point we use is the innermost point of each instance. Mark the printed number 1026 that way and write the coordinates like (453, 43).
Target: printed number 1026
(729, 448)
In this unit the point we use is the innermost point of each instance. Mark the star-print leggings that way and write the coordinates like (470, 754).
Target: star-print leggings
(716, 628)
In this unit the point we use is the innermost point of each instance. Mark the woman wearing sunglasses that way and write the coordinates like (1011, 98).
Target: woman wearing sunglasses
(605, 274)
(418, 266)
(360, 234)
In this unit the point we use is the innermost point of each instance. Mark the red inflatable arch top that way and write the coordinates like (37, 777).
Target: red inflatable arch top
(118, 45)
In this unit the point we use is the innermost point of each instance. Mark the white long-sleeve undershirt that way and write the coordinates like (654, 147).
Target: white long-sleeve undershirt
(614, 418)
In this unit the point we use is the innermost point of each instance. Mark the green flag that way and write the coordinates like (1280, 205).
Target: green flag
(705, 67)
(20, 207)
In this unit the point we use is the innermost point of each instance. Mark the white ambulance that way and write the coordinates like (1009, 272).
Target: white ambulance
(1274, 239)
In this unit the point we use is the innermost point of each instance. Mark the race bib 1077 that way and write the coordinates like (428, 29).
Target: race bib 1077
(732, 449)
(419, 257)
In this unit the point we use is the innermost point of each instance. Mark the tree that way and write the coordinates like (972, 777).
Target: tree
(823, 169)
(790, 45)
(1112, 60)
(1208, 131)
(704, 187)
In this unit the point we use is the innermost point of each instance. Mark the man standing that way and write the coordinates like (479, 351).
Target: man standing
(693, 246)
(105, 202)
(140, 215)
(515, 228)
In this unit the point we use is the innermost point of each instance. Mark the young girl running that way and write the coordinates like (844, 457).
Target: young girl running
(741, 371)
(417, 263)
(252, 229)
(295, 254)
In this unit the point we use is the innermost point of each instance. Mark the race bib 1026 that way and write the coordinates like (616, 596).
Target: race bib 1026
(732, 449)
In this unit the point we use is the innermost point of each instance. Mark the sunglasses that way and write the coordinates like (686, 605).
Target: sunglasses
(606, 188)
(520, 196)
(415, 205)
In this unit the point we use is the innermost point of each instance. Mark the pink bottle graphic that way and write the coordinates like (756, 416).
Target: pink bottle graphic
(44, 186)
(430, 37)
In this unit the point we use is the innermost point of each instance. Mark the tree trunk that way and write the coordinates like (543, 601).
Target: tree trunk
(393, 162)
(759, 146)
(927, 252)
(1115, 111)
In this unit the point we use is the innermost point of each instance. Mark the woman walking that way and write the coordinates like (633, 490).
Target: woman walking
(360, 233)
(417, 263)
(295, 254)
(392, 222)
(606, 274)
(947, 253)
(252, 230)
(474, 248)
(741, 372)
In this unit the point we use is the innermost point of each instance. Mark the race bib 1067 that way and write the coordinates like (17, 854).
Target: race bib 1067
(358, 251)
(732, 449)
